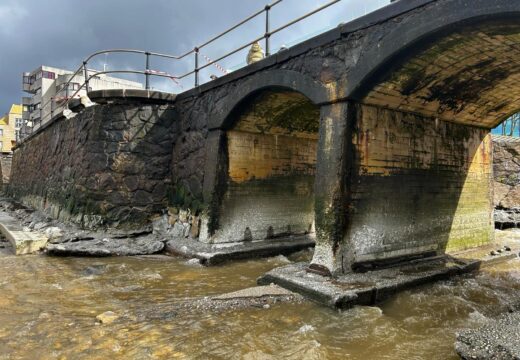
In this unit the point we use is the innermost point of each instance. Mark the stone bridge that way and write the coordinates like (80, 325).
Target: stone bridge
(372, 137)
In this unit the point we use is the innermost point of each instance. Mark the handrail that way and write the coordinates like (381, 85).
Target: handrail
(196, 50)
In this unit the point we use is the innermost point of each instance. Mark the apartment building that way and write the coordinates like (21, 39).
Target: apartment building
(10, 125)
(48, 89)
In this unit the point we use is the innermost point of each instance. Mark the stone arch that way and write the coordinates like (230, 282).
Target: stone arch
(272, 79)
(395, 69)
(268, 145)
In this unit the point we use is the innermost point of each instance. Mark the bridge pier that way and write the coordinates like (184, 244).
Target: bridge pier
(330, 187)
(393, 186)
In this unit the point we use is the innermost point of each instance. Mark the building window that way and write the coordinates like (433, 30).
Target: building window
(18, 122)
(17, 134)
(48, 75)
(1, 132)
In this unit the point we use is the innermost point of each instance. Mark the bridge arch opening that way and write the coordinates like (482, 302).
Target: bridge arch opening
(271, 148)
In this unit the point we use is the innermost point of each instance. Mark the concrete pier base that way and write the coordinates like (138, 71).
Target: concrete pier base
(371, 287)
(213, 254)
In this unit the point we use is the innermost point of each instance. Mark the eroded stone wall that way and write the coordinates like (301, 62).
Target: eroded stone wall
(506, 167)
(108, 165)
(418, 185)
(6, 160)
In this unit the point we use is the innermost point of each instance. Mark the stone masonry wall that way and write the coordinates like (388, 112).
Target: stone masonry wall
(506, 167)
(418, 185)
(108, 165)
(6, 160)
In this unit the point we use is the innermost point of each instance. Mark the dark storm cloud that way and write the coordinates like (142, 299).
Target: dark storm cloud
(62, 32)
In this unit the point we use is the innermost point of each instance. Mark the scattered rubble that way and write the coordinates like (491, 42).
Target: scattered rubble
(498, 340)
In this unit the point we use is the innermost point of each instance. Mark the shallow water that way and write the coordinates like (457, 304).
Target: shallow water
(48, 308)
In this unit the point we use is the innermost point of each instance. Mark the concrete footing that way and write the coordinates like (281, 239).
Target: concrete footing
(368, 288)
(365, 288)
(212, 254)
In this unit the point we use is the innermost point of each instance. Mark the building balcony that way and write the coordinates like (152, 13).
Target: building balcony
(29, 88)
(27, 100)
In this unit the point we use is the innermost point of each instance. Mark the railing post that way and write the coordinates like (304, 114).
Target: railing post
(147, 75)
(52, 107)
(196, 66)
(267, 33)
(85, 72)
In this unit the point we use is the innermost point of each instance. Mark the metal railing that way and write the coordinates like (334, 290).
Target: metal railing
(84, 71)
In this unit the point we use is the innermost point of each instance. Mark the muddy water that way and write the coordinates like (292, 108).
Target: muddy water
(48, 308)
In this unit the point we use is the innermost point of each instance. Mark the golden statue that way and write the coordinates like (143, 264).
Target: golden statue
(255, 53)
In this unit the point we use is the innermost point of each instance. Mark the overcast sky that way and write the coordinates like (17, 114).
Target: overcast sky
(61, 33)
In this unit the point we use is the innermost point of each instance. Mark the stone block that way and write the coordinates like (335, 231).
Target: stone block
(25, 242)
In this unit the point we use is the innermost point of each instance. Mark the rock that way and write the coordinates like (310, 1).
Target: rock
(40, 225)
(195, 226)
(161, 226)
(305, 329)
(53, 233)
(94, 270)
(22, 240)
(107, 317)
(186, 232)
(178, 230)
(173, 215)
(500, 192)
(145, 245)
(511, 199)
(193, 261)
(183, 216)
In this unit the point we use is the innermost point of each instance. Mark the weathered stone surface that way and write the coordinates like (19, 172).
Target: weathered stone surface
(107, 166)
(506, 167)
(108, 247)
(6, 162)
(213, 254)
(498, 340)
(23, 241)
